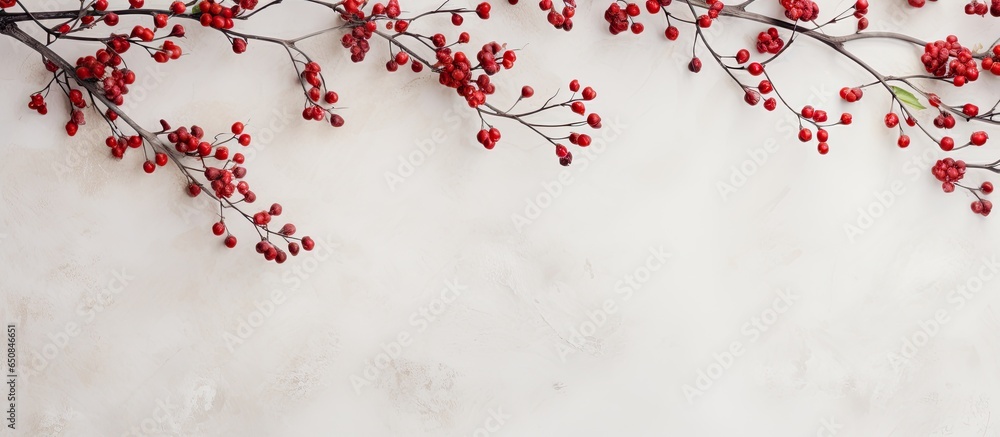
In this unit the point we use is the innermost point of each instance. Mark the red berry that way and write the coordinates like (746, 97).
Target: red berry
(823, 148)
(218, 228)
(903, 141)
(986, 187)
(483, 10)
(970, 110)
(978, 138)
(561, 150)
(672, 33)
(808, 111)
(742, 56)
(695, 65)
(237, 128)
(805, 134)
(308, 243)
(947, 143)
(891, 120)
(230, 241)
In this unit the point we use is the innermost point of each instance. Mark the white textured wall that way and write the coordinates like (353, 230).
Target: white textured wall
(75, 222)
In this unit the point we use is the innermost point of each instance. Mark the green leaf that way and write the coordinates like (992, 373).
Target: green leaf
(196, 10)
(907, 97)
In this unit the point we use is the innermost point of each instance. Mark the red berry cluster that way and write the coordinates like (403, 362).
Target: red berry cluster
(593, 120)
(95, 67)
(143, 33)
(76, 118)
(715, 6)
(115, 85)
(618, 19)
(455, 71)
(991, 62)
(390, 9)
(860, 10)
(818, 116)
(559, 19)
(976, 7)
(851, 95)
(488, 138)
(38, 104)
(944, 120)
(949, 59)
(769, 42)
(266, 248)
(315, 110)
(654, 6)
(357, 40)
(805, 10)
(982, 206)
(217, 16)
(948, 171)
(168, 51)
(120, 144)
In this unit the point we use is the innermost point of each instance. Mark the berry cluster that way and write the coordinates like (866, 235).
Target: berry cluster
(119, 144)
(455, 71)
(851, 95)
(216, 16)
(948, 171)
(991, 62)
(714, 7)
(769, 42)
(976, 7)
(559, 19)
(115, 85)
(619, 19)
(805, 10)
(860, 10)
(76, 117)
(168, 51)
(593, 120)
(949, 59)
(357, 40)
(270, 251)
(944, 120)
(312, 77)
(817, 117)
(38, 104)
